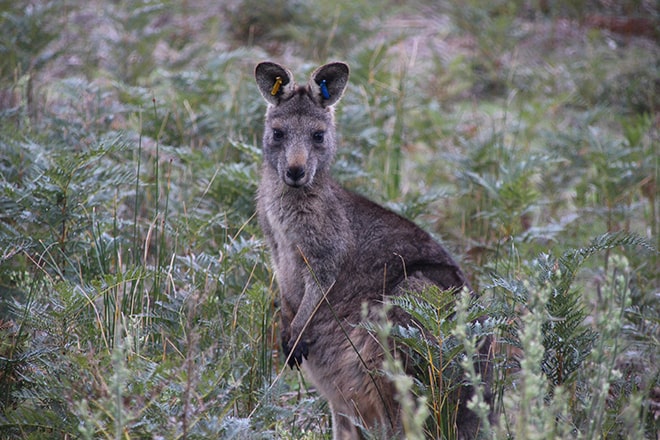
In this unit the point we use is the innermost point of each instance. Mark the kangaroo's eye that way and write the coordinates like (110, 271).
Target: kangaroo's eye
(318, 137)
(278, 134)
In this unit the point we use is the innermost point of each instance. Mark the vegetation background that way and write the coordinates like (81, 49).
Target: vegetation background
(135, 296)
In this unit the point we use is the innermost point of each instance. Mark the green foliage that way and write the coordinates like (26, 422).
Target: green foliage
(135, 295)
(25, 35)
(576, 362)
(440, 355)
(322, 30)
(565, 364)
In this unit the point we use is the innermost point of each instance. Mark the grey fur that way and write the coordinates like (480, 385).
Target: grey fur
(334, 251)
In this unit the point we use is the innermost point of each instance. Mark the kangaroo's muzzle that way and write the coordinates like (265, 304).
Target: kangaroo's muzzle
(295, 176)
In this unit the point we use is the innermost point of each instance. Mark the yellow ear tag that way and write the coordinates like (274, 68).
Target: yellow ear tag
(276, 86)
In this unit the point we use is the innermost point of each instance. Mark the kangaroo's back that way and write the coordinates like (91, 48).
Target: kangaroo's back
(336, 254)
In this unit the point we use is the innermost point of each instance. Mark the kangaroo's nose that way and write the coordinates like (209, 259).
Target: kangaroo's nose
(295, 173)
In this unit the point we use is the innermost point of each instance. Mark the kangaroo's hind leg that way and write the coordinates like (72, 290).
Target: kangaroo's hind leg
(366, 398)
(343, 427)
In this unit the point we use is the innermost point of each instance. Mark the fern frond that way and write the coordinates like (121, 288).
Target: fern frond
(571, 261)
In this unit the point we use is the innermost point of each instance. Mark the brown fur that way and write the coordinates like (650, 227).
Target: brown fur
(333, 251)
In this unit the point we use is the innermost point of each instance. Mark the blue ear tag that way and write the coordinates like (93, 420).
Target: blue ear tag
(324, 90)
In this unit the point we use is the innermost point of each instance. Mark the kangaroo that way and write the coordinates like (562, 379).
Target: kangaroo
(333, 252)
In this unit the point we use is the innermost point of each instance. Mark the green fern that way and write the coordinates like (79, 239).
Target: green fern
(435, 354)
(566, 338)
(569, 341)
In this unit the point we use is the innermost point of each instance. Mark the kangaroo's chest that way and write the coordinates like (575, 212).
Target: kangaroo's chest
(292, 231)
(309, 223)
(307, 235)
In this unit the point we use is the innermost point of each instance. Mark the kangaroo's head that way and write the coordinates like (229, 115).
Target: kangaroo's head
(299, 138)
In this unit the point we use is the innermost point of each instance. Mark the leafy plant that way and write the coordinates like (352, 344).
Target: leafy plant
(135, 294)
(578, 360)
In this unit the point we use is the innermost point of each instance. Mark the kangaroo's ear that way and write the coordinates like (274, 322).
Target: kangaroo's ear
(329, 82)
(274, 81)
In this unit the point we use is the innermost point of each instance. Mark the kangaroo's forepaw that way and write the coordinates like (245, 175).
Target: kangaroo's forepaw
(284, 341)
(297, 353)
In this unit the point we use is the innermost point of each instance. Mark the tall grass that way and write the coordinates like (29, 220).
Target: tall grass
(136, 298)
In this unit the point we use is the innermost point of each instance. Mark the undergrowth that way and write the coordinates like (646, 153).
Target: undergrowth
(136, 300)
